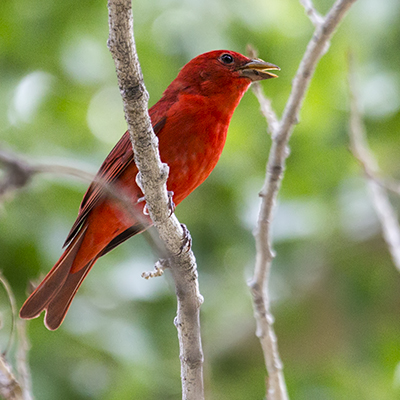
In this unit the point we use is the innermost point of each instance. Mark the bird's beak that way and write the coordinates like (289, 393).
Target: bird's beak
(257, 70)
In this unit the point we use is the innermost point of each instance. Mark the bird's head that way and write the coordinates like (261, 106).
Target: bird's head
(224, 69)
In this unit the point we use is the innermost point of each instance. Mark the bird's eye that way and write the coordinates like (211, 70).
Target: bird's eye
(226, 59)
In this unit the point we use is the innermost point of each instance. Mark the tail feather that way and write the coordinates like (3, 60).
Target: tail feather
(52, 284)
(57, 308)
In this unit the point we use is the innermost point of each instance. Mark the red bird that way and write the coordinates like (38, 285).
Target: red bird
(191, 121)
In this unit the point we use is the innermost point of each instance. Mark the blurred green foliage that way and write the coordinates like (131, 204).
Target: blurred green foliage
(336, 294)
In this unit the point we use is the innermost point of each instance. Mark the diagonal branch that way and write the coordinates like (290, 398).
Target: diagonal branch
(152, 179)
(274, 175)
(265, 103)
(18, 173)
(379, 197)
(266, 107)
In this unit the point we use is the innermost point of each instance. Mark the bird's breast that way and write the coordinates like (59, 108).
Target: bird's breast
(192, 150)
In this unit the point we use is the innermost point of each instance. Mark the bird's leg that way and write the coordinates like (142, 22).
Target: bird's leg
(186, 239)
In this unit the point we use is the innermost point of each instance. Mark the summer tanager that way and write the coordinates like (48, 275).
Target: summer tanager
(191, 121)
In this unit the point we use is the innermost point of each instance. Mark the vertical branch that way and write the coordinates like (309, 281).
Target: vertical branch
(281, 132)
(152, 179)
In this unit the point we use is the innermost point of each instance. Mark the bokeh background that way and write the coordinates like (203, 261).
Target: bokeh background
(336, 293)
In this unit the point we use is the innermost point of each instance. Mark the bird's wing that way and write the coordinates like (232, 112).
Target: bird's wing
(120, 157)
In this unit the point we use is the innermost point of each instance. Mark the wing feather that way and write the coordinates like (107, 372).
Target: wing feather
(120, 157)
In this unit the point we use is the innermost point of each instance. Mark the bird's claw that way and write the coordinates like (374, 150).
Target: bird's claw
(145, 209)
(171, 204)
(186, 239)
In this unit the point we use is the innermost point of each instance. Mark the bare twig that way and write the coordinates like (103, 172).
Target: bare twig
(266, 107)
(157, 271)
(389, 184)
(13, 306)
(315, 17)
(11, 387)
(379, 197)
(63, 170)
(265, 103)
(23, 369)
(274, 174)
(19, 173)
(152, 179)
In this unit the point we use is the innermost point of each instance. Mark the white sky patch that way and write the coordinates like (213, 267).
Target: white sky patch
(105, 115)
(185, 28)
(91, 378)
(112, 334)
(376, 15)
(117, 337)
(29, 95)
(298, 218)
(358, 218)
(379, 94)
(86, 60)
(293, 219)
(127, 283)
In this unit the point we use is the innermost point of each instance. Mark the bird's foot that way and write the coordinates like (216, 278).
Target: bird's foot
(186, 239)
(171, 204)
(145, 209)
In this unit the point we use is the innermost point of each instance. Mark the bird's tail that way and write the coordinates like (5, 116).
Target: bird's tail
(55, 293)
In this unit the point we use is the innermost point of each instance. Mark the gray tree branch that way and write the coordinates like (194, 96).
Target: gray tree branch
(281, 132)
(152, 179)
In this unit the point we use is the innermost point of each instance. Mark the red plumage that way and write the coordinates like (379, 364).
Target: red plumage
(191, 121)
